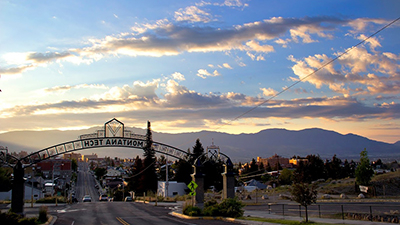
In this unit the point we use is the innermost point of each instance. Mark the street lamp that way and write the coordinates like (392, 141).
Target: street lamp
(32, 177)
(123, 189)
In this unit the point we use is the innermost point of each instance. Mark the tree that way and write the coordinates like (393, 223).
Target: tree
(304, 194)
(198, 150)
(364, 171)
(183, 171)
(74, 164)
(333, 168)
(253, 166)
(286, 177)
(100, 172)
(5, 179)
(149, 177)
(133, 180)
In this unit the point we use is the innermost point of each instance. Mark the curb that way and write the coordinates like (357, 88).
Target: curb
(51, 220)
(180, 215)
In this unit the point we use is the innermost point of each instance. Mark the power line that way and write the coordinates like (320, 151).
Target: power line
(315, 71)
(304, 78)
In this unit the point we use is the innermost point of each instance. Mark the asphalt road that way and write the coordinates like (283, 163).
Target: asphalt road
(114, 213)
(85, 184)
(117, 213)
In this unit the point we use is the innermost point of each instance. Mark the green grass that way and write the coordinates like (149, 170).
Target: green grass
(281, 221)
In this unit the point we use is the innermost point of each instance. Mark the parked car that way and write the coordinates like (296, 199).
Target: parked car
(103, 198)
(128, 199)
(86, 198)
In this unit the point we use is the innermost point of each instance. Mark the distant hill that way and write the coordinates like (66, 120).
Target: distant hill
(241, 147)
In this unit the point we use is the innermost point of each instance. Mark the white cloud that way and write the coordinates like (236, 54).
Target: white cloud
(192, 14)
(268, 91)
(164, 38)
(226, 65)
(203, 73)
(359, 72)
(178, 76)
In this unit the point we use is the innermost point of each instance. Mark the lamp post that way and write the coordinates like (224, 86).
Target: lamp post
(123, 189)
(166, 176)
(33, 175)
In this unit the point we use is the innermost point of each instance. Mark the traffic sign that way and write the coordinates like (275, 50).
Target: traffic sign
(192, 186)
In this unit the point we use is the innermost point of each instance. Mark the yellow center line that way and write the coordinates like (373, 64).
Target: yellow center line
(122, 221)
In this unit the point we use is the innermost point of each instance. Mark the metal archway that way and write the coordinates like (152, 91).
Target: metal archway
(113, 135)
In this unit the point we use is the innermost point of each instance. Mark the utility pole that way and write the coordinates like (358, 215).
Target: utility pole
(166, 178)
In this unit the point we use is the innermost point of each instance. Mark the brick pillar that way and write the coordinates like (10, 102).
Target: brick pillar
(18, 189)
(198, 178)
(228, 180)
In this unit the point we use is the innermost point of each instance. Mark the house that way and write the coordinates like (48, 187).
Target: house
(29, 191)
(174, 188)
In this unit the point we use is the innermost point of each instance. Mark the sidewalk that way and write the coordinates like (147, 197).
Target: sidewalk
(264, 214)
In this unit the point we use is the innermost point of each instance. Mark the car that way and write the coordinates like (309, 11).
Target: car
(128, 199)
(86, 198)
(103, 198)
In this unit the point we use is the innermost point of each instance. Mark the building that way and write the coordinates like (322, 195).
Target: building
(59, 168)
(86, 158)
(76, 156)
(296, 161)
(273, 160)
(173, 188)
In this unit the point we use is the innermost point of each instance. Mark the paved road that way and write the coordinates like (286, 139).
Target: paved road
(85, 184)
(113, 213)
(117, 213)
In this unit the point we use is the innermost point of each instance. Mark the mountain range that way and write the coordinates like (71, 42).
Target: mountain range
(239, 147)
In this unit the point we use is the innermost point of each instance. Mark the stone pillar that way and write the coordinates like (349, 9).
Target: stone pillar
(198, 178)
(228, 180)
(18, 189)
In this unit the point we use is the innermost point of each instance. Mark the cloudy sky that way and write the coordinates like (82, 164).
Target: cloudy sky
(201, 65)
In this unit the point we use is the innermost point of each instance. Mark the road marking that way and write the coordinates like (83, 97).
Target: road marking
(68, 210)
(72, 222)
(122, 221)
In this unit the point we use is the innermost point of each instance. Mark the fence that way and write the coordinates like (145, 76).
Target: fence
(384, 212)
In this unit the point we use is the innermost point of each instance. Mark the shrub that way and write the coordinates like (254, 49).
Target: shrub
(231, 207)
(28, 221)
(211, 202)
(42, 214)
(191, 210)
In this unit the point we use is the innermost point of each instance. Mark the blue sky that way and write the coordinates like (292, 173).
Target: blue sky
(198, 65)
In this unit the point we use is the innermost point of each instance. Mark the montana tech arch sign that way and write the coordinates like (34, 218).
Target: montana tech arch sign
(114, 134)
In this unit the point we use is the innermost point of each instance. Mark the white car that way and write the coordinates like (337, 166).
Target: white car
(103, 198)
(86, 198)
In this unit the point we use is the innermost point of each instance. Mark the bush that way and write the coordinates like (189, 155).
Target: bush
(192, 210)
(11, 218)
(231, 207)
(28, 221)
(51, 200)
(42, 214)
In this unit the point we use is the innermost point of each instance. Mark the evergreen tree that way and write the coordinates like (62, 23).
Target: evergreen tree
(134, 180)
(183, 171)
(149, 178)
(364, 170)
(5, 179)
(253, 166)
(198, 150)
(333, 168)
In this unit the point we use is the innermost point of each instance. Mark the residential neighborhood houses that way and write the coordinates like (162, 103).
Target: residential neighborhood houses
(57, 176)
